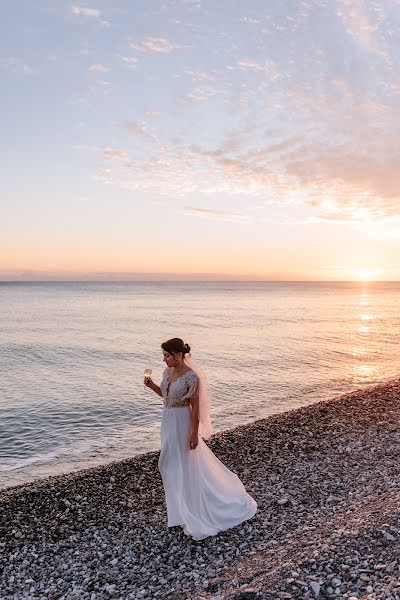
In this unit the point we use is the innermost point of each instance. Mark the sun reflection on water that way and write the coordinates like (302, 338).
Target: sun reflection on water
(365, 372)
(358, 351)
(366, 317)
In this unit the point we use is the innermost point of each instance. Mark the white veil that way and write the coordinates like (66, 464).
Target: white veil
(205, 427)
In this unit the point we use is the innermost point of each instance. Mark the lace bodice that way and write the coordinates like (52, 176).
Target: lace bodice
(180, 391)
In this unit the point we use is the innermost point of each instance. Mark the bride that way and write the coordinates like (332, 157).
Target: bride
(201, 493)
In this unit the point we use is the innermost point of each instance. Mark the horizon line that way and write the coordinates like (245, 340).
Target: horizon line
(199, 280)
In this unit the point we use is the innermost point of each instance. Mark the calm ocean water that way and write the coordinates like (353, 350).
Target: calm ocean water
(72, 357)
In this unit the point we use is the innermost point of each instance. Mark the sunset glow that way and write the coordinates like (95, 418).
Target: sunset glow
(192, 139)
(366, 274)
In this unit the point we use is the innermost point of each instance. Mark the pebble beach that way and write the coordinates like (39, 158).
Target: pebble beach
(327, 482)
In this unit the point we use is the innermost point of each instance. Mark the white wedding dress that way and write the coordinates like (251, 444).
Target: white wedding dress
(201, 493)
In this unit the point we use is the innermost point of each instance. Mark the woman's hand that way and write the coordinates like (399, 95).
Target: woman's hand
(193, 440)
(148, 382)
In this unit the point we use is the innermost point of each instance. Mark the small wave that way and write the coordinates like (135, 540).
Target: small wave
(13, 464)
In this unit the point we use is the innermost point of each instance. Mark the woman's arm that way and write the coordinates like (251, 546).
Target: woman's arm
(148, 382)
(194, 421)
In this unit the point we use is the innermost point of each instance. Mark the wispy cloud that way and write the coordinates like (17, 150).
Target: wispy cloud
(110, 154)
(135, 128)
(87, 12)
(252, 65)
(129, 61)
(250, 20)
(98, 67)
(200, 76)
(358, 24)
(213, 214)
(156, 45)
(90, 12)
(200, 94)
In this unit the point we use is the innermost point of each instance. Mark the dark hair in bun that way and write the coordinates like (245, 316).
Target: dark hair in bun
(176, 345)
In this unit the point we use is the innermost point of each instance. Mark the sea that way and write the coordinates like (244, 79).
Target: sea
(72, 356)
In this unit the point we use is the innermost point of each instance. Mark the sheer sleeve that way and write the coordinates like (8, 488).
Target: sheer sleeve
(193, 386)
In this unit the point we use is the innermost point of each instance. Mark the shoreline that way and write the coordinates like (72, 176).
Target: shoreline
(322, 475)
(61, 466)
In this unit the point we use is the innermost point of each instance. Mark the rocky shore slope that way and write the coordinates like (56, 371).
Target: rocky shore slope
(327, 481)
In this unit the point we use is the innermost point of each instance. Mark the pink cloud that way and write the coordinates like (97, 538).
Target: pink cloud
(87, 12)
(157, 45)
(110, 154)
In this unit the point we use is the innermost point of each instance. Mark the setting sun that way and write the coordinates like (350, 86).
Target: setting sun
(366, 274)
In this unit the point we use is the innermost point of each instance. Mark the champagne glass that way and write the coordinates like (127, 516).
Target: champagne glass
(147, 373)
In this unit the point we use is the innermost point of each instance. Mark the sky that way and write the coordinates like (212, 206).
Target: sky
(200, 138)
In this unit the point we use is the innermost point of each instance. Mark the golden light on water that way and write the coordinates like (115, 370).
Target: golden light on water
(365, 371)
(363, 329)
(366, 317)
(359, 351)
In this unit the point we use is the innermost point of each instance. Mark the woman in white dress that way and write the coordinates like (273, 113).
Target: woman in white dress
(202, 494)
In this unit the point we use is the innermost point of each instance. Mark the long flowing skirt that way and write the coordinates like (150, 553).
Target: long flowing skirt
(201, 493)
